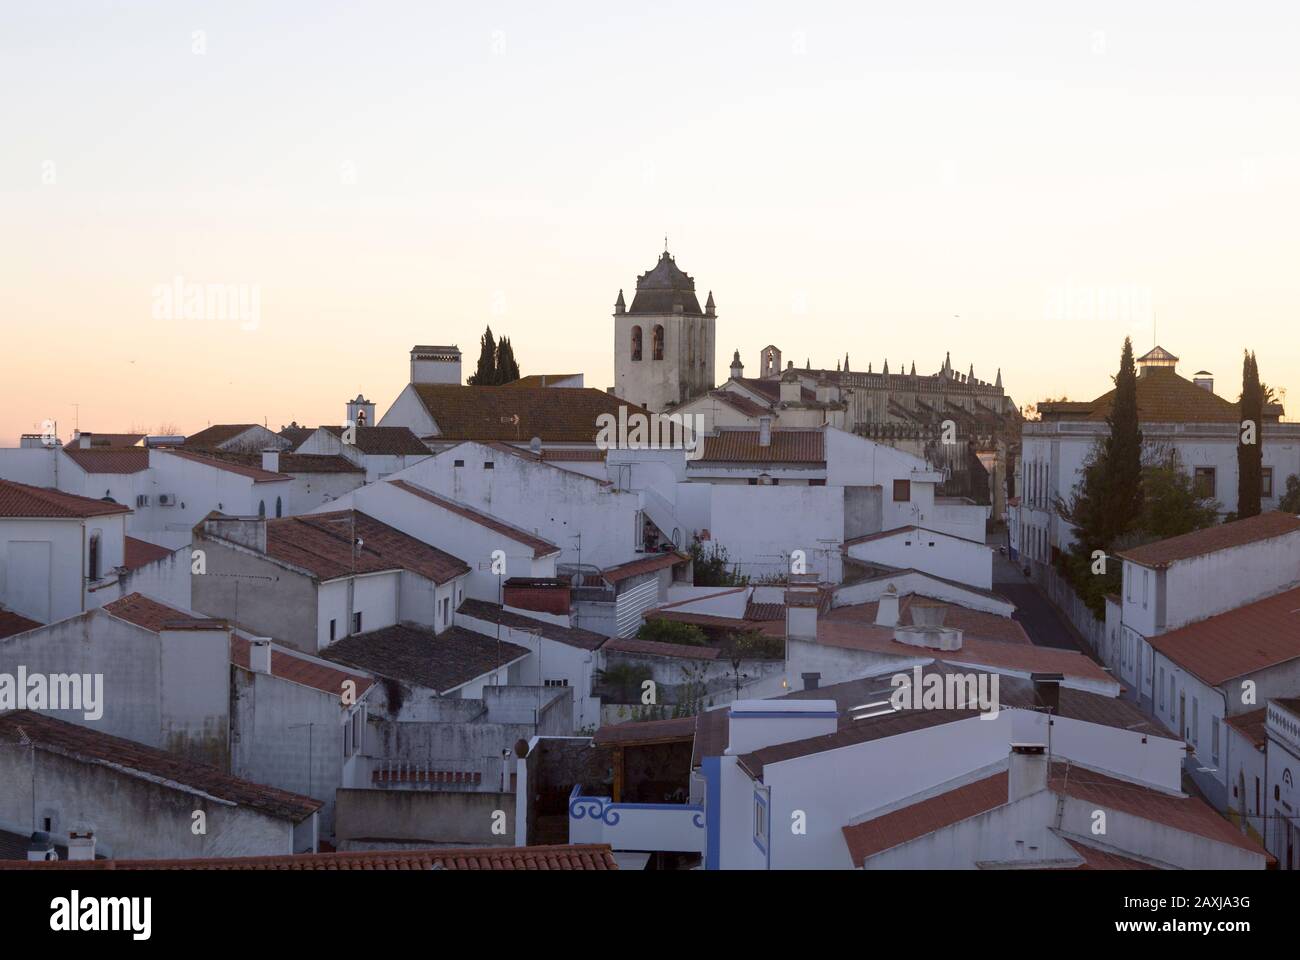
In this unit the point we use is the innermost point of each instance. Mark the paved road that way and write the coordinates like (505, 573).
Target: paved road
(1046, 626)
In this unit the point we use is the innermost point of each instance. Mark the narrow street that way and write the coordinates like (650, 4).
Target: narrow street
(1046, 626)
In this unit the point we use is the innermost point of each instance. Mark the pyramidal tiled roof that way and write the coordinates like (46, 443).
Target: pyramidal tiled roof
(666, 286)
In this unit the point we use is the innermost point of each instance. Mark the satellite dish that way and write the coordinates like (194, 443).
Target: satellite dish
(535, 445)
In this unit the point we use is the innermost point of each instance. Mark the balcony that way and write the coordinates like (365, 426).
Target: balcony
(648, 827)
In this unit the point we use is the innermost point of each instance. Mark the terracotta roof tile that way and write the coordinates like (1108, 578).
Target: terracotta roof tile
(1253, 725)
(385, 441)
(642, 565)
(256, 474)
(572, 636)
(973, 623)
(656, 649)
(305, 671)
(1252, 637)
(740, 403)
(519, 413)
(322, 543)
(295, 463)
(217, 434)
(108, 439)
(414, 654)
(541, 548)
(13, 623)
(788, 446)
(152, 615)
(135, 759)
(22, 500)
(646, 731)
(109, 459)
(925, 816)
(909, 528)
(542, 379)
(556, 857)
(1162, 397)
(1094, 859)
(138, 553)
(1223, 536)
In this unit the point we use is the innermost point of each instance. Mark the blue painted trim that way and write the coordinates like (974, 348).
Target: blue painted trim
(600, 808)
(713, 806)
(774, 714)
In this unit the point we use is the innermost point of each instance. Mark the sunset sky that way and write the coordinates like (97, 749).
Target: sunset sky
(1022, 184)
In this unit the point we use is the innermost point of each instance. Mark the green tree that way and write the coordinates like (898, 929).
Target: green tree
(485, 374)
(1250, 449)
(507, 369)
(713, 569)
(670, 631)
(1290, 502)
(1122, 456)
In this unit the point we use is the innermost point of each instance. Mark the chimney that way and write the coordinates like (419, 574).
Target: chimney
(41, 847)
(1026, 770)
(887, 608)
(83, 441)
(1047, 690)
(259, 655)
(791, 387)
(81, 844)
(1205, 380)
(764, 431)
(801, 615)
(811, 681)
(271, 460)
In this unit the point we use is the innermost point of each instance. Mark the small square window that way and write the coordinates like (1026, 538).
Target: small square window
(1203, 481)
(488, 465)
(356, 622)
(902, 491)
(458, 463)
(1266, 482)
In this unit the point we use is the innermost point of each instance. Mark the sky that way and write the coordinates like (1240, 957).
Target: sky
(1019, 184)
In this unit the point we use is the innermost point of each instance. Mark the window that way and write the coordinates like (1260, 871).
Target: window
(92, 558)
(1171, 694)
(1203, 481)
(816, 483)
(1214, 739)
(636, 343)
(902, 491)
(1162, 688)
(659, 342)
(1256, 795)
(1196, 720)
(333, 629)
(1128, 581)
(1266, 482)
(261, 509)
(488, 465)
(458, 463)
(279, 507)
(347, 740)
(563, 682)
(1146, 583)
(446, 608)
(356, 622)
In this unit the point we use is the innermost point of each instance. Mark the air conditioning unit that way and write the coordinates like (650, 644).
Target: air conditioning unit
(166, 499)
(142, 500)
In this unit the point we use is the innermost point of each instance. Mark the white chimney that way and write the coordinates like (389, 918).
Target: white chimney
(271, 460)
(81, 844)
(1026, 771)
(83, 441)
(801, 615)
(41, 847)
(791, 387)
(764, 431)
(887, 608)
(259, 655)
(1205, 380)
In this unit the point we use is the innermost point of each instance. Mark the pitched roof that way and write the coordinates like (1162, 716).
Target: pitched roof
(646, 731)
(136, 760)
(385, 441)
(139, 553)
(322, 543)
(925, 816)
(1223, 536)
(664, 287)
(542, 379)
(740, 445)
(740, 403)
(109, 459)
(541, 548)
(642, 565)
(14, 623)
(217, 434)
(155, 616)
(655, 648)
(1253, 725)
(295, 463)
(305, 671)
(973, 623)
(1250, 638)
(567, 856)
(22, 500)
(414, 654)
(108, 439)
(1096, 859)
(907, 528)
(520, 413)
(1162, 397)
(256, 474)
(1187, 813)
(493, 613)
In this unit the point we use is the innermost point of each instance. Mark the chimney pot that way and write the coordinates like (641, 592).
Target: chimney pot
(81, 844)
(811, 681)
(1047, 690)
(1026, 770)
(764, 431)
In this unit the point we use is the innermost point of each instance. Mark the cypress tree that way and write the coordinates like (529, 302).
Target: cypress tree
(485, 374)
(507, 368)
(1122, 456)
(1250, 450)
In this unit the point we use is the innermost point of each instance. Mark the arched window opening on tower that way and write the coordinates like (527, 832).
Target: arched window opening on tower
(659, 342)
(636, 343)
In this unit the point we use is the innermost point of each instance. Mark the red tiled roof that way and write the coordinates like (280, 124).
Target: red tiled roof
(295, 463)
(973, 623)
(1253, 725)
(925, 816)
(909, 528)
(217, 434)
(541, 548)
(415, 654)
(22, 500)
(142, 552)
(656, 649)
(641, 565)
(322, 543)
(519, 413)
(1250, 638)
(1162, 397)
(787, 446)
(286, 665)
(256, 474)
(646, 731)
(154, 616)
(570, 636)
(109, 459)
(1187, 813)
(741, 403)
(592, 856)
(1094, 859)
(769, 628)
(384, 441)
(135, 759)
(1223, 536)
(108, 439)
(764, 611)
(542, 379)
(13, 623)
